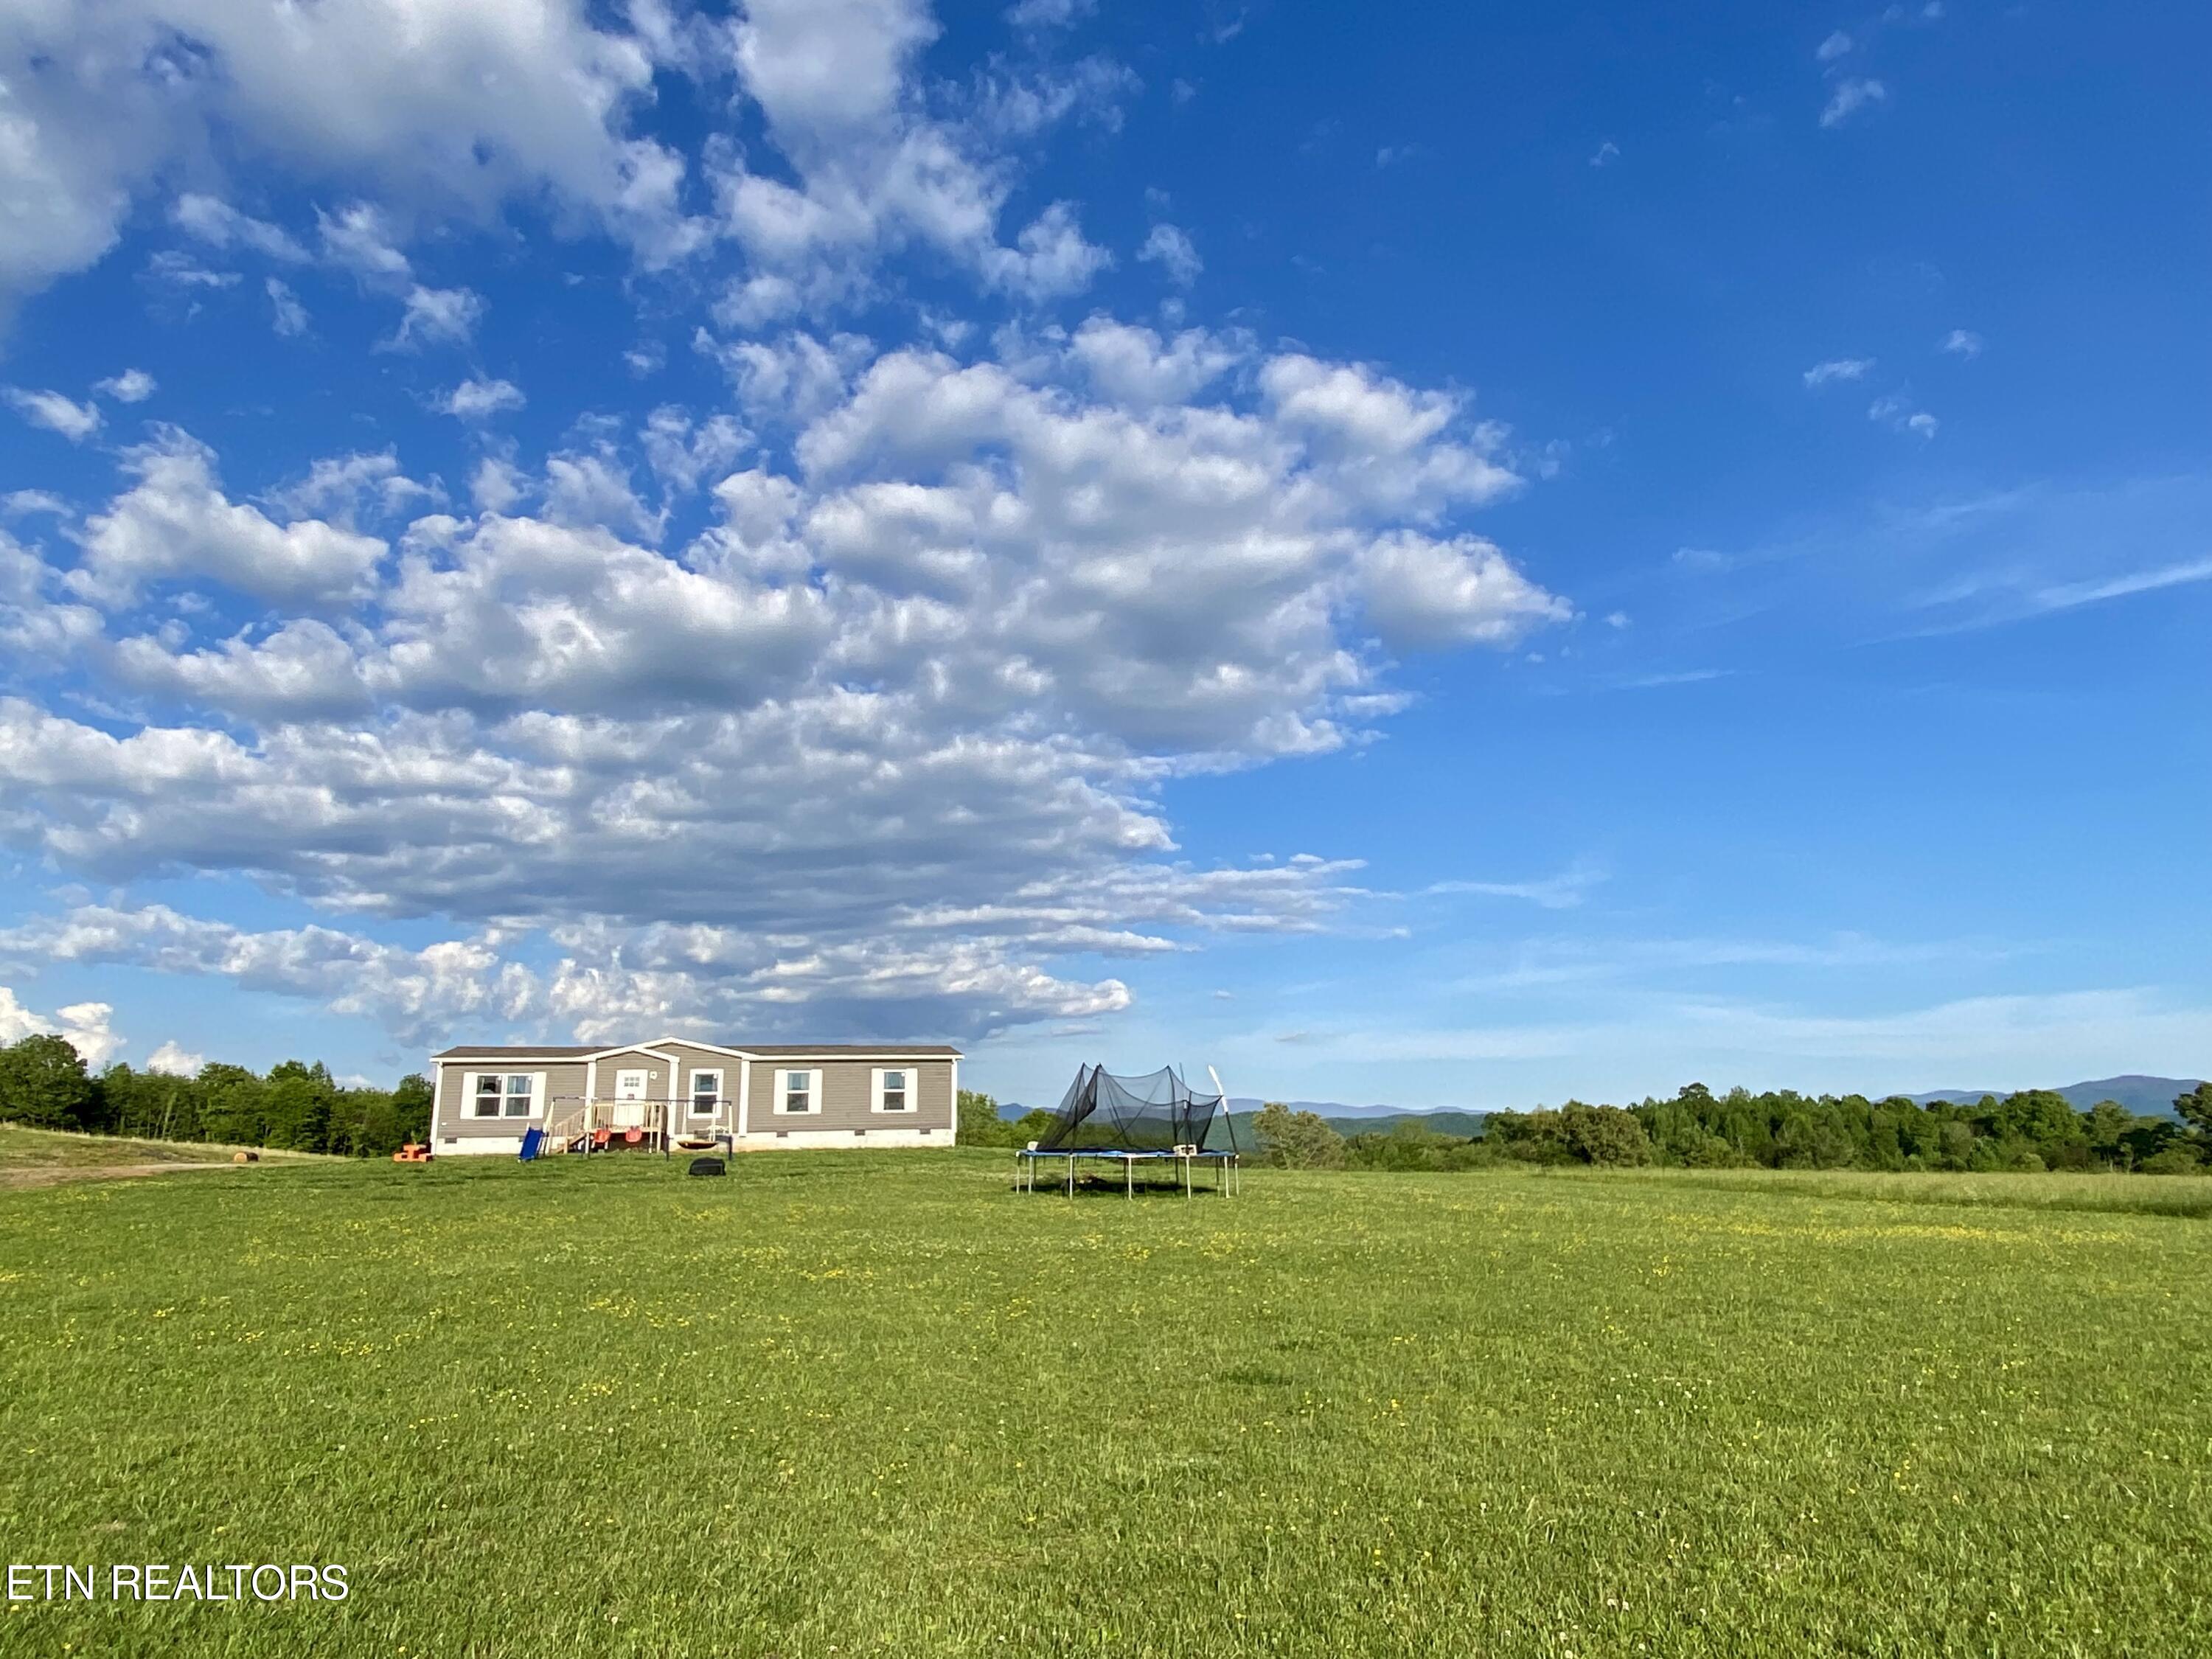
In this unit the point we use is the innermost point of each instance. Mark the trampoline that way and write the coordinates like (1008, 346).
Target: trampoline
(1154, 1119)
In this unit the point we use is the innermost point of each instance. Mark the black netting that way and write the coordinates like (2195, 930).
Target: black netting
(1155, 1113)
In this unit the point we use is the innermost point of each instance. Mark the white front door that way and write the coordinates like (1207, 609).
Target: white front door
(629, 1100)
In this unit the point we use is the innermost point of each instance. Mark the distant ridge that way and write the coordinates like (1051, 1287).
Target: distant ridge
(2146, 1097)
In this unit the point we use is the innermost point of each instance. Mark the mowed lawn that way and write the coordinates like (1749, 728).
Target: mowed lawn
(874, 1403)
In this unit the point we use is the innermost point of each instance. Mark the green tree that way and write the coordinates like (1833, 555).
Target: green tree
(979, 1122)
(233, 1102)
(1603, 1134)
(2195, 1109)
(410, 1107)
(1297, 1140)
(299, 1104)
(43, 1082)
(2106, 1124)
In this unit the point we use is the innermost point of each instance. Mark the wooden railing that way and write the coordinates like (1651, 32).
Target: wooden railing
(574, 1122)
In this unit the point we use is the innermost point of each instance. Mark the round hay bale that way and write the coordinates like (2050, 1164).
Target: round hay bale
(238, 1158)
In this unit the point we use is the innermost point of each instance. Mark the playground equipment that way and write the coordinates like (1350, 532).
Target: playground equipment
(1156, 1119)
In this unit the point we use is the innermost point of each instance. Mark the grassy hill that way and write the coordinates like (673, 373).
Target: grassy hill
(36, 1156)
(876, 1403)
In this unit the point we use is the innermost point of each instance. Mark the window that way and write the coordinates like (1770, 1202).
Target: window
(893, 1090)
(796, 1092)
(502, 1094)
(706, 1093)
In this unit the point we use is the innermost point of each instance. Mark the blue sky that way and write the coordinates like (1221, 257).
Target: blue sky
(1460, 562)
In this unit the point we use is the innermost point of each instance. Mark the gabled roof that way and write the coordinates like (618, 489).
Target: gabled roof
(765, 1050)
(856, 1050)
(536, 1051)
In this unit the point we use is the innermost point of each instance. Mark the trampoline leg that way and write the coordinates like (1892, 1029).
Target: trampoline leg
(1128, 1177)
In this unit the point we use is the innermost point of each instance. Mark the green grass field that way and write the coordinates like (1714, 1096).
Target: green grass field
(875, 1404)
(35, 1156)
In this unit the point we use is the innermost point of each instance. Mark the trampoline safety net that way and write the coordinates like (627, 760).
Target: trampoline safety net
(1154, 1113)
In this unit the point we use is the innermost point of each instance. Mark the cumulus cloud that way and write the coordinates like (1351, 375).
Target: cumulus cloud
(411, 991)
(876, 751)
(133, 386)
(441, 105)
(172, 1059)
(480, 399)
(286, 316)
(1419, 591)
(437, 316)
(219, 225)
(175, 521)
(86, 1025)
(75, 421)
(1170, 248)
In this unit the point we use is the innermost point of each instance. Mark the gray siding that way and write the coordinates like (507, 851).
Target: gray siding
(690, 1059)
(845, 1103)
(845, 1097)
(562, 1077)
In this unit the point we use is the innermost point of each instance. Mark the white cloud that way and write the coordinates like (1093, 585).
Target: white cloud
(683, 453)
(1961, 342)
(1561, 892)
(86, 1025)
(410, 990)
(287, 315)
(56, 413)
(172, 1059)
(1132, 365)
(1836, 46)
(497, 485)
(1850, 97)
(358, 239)
(1050, 14)
(442, 107)
(876, 751)
(1896, 410)
(1838, 369)
(217, 224)
(480, 399)
(133, 386)
(437, 316)
(1050, 258)
(1417, 592)
(1605, 154)
(175, 521)
(1170, 249)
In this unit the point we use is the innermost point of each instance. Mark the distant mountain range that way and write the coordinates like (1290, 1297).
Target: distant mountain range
(2146, 1097)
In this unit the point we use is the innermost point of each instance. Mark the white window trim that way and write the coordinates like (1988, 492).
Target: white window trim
(722, 1096)
(472, 1081)
(913, 1076)
(777, 1107)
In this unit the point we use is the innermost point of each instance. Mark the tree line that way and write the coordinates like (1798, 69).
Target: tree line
(2032, 1129)
(296, 1105)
